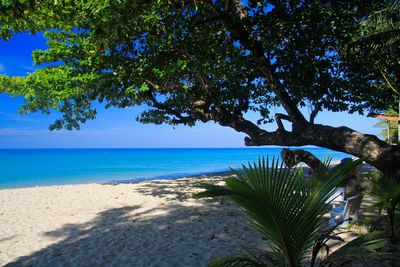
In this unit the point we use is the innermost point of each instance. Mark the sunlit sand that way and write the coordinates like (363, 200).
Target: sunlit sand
(154, 223)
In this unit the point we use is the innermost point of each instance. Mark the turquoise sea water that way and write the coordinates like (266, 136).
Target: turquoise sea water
(35, 167)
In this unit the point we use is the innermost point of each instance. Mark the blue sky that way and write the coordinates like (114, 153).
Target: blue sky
(114, 127)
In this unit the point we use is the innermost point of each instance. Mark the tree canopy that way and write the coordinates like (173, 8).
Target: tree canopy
(189, 61)
(200, 60)
(377, 47)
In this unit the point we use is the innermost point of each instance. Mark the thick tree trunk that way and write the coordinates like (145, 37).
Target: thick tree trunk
(293, 157)
(383, 156)
(374, 151)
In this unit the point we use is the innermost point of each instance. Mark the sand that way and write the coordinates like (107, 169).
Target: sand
(153, 223)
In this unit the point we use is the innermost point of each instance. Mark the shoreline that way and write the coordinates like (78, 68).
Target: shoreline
(132, 181)
(38, 167)
(173, 176)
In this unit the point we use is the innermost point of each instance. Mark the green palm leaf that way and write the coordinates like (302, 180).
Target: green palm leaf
(362, 245)
(283, 205)
(386, 193)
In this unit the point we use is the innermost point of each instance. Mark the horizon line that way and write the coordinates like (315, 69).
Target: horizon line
(246, 147)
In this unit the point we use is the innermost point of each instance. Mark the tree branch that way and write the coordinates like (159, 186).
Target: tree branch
(240, 33)
(279, 117)
(314, 112)
(227, 5)
(205, 21)
(293, 157)
(239, 124)
(369, 147)
(180, 119)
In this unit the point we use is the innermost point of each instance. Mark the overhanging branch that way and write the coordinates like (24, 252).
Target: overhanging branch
(279, 117)
(239, 32)
(180, 119)
(314, 112)
(256, 135)
(294, 157)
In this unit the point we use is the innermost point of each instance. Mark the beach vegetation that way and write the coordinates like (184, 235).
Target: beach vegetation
(390, 132)
(377, 44)
(287, 209)
(213, 61)
(385, 192)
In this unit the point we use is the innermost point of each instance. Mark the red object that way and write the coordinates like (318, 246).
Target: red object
(384, 117)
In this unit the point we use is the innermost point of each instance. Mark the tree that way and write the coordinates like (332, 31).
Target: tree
(203, 60)
(392, 136)
(386, 194)
(377, 46)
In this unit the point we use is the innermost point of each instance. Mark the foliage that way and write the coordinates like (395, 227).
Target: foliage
(325, 234)
(393, 127)
(386, 194)
(378, 44)
(222, 61)
(361, 246)
(284, 207)
(190, 61)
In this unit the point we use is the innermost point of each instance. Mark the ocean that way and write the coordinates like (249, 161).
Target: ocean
(38, 167)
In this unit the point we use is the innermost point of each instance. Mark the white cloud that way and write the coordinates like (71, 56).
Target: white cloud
(16, 117)
(26, 131)
(29, 68)
(20, 132)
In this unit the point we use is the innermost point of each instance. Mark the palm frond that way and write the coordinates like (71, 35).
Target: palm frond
(284, 206)
(362, 245)
(381, 30)
(378, 44)
(212, 191)
(272, 257)
(235, 261)
(386, 193)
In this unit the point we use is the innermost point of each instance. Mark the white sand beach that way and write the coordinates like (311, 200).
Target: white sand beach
(150, 223)
(153, 223)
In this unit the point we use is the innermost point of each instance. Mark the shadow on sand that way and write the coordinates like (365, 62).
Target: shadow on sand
(171, 235)
(177, 189)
